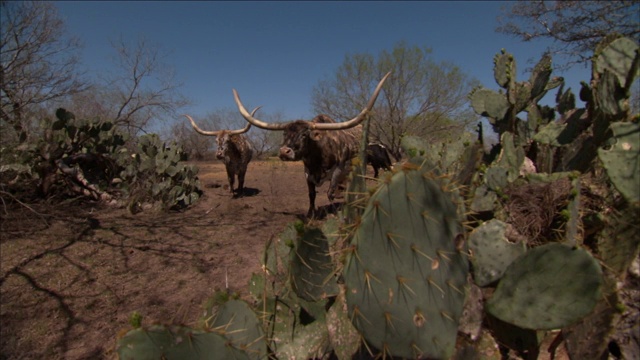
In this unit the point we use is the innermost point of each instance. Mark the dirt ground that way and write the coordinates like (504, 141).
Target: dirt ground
(71, 276)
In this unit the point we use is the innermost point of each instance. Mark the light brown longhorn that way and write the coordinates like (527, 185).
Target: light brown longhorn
(234, 150)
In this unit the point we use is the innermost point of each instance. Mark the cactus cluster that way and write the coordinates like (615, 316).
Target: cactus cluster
(408, 269)
(91, 157)
(155, 174)
(79, 151)
(559, 285)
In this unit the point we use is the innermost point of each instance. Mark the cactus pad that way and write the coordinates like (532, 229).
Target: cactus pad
(174, 343)
(622, 161)
(489, 103)
(491, 252)
(406, 273)
(549, 287)
(238, 323)
(311, 267)
(618, 57)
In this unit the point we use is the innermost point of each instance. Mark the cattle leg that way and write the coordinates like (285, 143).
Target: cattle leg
(339, 175)
(231, 178)
(312, 199)
(375, 172)
(241, 183)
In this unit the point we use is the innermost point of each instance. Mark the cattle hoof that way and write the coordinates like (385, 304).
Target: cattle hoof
(238, 194)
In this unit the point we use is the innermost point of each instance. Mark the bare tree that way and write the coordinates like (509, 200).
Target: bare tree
(575, 27)
(38, 63)
(421, 98)
(143, 89)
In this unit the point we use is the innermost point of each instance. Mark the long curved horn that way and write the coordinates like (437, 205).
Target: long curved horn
(200, 131)
(320, 126)
(216, 133)
(358, 119)
(249, 117)
(246, 128)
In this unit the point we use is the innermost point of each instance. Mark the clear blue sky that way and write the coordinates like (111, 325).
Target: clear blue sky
(274, 53)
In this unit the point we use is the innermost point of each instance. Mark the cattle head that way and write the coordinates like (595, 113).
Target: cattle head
(299, 138)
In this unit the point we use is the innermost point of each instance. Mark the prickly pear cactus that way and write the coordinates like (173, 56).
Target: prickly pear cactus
(548, 287)
(615, 66)
(501, 108)
(622, 161)
(312, 271)
(175, 343)
(491, 251)
(406, 272)
(240, 324)
(344, 338)
(446, 156)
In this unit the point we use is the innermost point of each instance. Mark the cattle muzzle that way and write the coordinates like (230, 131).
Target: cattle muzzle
(287, 154)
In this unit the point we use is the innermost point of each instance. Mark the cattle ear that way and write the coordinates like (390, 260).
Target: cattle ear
(316, 135)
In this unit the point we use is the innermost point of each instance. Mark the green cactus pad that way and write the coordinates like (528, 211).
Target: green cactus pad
(540, 76)
(416, 146)
(308, 342)
(484, 199)
(491, 252)
(406, 274)
(549, 287)
(619, 242)
(496, 177)
(511, 156)
(312, 271)
(238, 323)
(622, 161)
(446, 155)
(489, 103)
(257, 285)
(573, 223)
(344, 338)
(550, 133)
(294, 328)
(175, 343)
(618, 57)
(521, 96)
(504, 69)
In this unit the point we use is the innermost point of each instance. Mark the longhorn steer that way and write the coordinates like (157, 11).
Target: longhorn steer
(234, 150)
(378, 157)
(324, 146)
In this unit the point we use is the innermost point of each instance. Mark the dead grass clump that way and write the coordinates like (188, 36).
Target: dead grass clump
(534, 210)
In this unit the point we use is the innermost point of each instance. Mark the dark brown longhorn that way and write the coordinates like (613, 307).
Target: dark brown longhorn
(325, 147)
(378, 157)
(234, 150)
